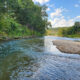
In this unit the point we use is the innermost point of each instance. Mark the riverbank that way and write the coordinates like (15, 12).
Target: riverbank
(14, 38)
(71, 32)
(68, 46)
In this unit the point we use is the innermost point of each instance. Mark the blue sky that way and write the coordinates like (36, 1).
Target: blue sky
(62, 12)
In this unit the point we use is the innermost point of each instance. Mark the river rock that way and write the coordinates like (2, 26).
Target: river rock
(67, 46)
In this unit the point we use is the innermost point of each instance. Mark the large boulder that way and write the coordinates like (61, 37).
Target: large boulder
(68, 46)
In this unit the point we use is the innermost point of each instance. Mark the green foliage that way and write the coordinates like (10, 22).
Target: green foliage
(73, 31)
(22, 18)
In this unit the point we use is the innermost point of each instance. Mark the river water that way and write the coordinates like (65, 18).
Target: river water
(37, 59)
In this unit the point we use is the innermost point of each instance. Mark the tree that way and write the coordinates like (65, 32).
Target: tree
(24, 12)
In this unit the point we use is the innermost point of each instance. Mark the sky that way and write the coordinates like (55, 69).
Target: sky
(62, 13)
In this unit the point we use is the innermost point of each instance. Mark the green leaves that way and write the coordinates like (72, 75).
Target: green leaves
(22, 17)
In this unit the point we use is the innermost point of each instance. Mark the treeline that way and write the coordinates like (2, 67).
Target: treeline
(22, 18)
(73, 31)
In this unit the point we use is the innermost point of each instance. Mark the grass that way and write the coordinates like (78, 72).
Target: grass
(55, 32)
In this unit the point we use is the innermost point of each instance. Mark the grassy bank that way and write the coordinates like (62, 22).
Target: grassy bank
(21, 18)
(73, 31)
(14, 30)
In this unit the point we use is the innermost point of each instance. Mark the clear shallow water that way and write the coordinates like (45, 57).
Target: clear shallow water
(37, 59)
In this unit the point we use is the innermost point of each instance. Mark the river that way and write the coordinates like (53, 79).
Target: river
(37, 59)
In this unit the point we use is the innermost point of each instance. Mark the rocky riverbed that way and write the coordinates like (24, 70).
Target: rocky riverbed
(67, 46)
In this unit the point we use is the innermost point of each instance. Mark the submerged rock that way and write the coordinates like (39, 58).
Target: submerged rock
(68, 46)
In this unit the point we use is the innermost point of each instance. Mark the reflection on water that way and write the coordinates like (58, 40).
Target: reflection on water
(37, 59)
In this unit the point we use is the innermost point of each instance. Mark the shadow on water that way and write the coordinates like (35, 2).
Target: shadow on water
(17, 67)
(37, 59)
(17, 59)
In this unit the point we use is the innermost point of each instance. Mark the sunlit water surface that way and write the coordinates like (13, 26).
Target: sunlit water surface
(37, 59)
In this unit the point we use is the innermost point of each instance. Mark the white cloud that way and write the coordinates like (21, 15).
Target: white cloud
(51, 5)
(61, 22)
(41, 1)
(76, 5)
(58, 12)
(48, 9)
(77, 17)
(58, 20)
